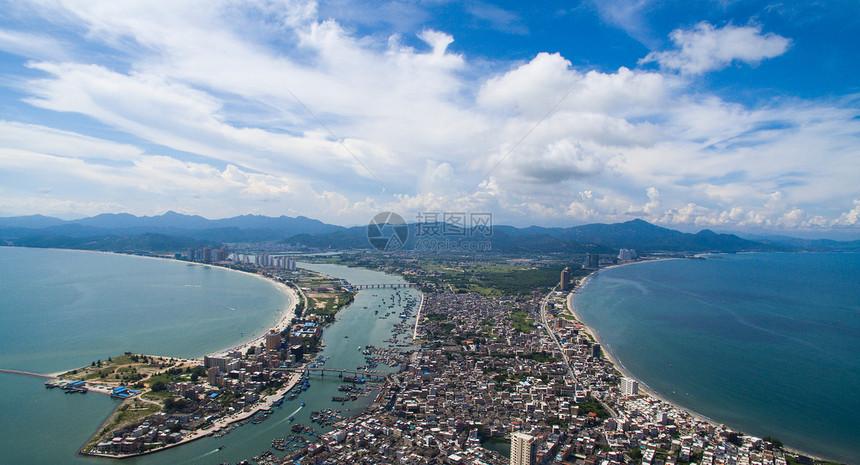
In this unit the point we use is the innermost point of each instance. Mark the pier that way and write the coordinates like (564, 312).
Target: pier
(27, 373)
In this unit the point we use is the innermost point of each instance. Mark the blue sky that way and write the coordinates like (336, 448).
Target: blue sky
(733, 116)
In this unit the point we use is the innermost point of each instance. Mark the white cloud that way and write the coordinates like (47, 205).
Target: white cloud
(627, 15)
(31, 45)
(534, 88)
(706, 48)
(439, 41)
(47, 140)
(849, 218)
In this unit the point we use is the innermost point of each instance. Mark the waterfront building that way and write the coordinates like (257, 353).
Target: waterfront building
(592, 261)
(224, 363)
(207, 255)
(522, 449)
(629, 387)
(273, 340)
(627, 255)
(565, 279)
(212, 375)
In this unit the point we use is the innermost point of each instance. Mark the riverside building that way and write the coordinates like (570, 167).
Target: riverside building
(522, 449)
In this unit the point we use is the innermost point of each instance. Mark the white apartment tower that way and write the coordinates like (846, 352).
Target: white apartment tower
(522, 449)
(629, 387)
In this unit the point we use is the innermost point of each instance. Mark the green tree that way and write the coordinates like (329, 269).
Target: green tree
(158, 386)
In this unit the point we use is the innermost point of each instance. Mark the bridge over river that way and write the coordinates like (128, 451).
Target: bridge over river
(384, 286)
(370, 375)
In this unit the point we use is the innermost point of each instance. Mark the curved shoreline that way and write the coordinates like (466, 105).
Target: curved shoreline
(618, 365)
(286, 314)
(281, 323)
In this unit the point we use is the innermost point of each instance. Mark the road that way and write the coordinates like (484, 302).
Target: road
(551, 332)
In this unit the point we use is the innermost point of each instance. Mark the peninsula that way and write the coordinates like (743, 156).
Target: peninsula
(168, 401)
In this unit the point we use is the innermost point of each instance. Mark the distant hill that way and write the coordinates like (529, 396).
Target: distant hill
(175, 231)
(594, 238)
(245, 228)
(31, 221)
(822, 245)
(115, 243)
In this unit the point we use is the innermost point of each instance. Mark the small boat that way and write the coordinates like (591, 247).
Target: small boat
(292, 418)
(303, 404)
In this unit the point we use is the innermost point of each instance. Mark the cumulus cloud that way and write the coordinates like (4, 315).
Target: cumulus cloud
(439, 41)
(706, 48)
(549, 81)
(559, 161)
(849, 218)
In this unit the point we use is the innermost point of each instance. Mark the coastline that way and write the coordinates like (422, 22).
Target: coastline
(283, 320)
(618, 365)
(280, 324)
(265, 403)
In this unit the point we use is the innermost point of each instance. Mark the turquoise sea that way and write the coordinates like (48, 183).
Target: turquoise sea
(765, 343)
(62, 309)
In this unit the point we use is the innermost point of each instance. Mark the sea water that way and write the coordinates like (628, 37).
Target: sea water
(765, 343)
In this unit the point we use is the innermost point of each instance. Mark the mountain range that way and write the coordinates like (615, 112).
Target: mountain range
(174, 231)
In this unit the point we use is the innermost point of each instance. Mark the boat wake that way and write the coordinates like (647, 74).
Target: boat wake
(289, 416)
(209, 453)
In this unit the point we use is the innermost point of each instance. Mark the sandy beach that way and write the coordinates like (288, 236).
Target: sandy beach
(283, 321)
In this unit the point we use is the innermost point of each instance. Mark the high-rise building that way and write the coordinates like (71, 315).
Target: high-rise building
(595, 350)
(273, 340)
(212, 375)
(522, 449)
(207, 255)
(565, 279)
(592, 261)
(626, 255)
(629, 387)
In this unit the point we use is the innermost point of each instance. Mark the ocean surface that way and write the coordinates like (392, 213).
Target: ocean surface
(63, 309)
(765, 343)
